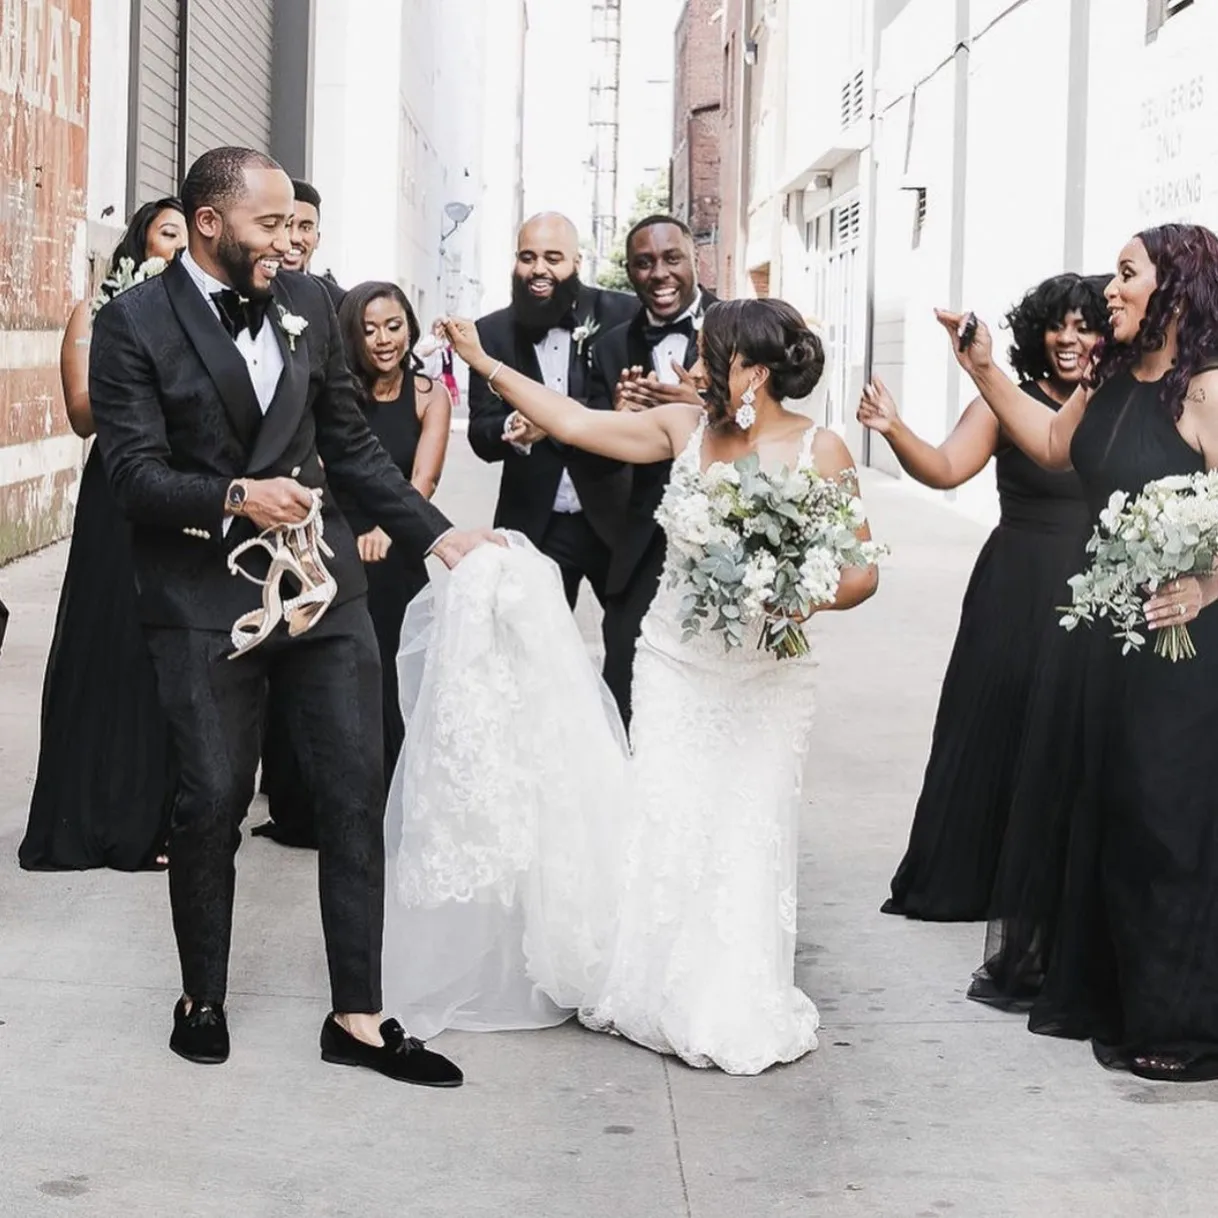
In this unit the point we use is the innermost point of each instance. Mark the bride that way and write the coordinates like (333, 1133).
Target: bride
(536, 865)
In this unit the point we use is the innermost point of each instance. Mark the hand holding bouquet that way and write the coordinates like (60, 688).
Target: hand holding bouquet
(1141, 545)
(755, 547)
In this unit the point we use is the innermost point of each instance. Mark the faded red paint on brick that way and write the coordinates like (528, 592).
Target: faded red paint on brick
(44, 96)
(31, 405)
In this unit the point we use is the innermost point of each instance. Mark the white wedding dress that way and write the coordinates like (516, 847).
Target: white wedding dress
(535, 868)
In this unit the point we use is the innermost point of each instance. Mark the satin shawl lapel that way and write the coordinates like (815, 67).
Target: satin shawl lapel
(638, 353)
(527, 363)
(577, 368)
(291, 398)
(217, 351)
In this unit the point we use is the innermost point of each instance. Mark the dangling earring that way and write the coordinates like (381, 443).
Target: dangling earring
(746, 415)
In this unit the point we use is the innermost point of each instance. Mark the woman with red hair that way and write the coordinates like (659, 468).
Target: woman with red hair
(1134, 963)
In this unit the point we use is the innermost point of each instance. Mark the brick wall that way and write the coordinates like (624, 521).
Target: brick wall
(44, 64)
(697, 101)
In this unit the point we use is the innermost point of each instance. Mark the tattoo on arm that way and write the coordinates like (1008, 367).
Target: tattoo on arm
(1195, 395)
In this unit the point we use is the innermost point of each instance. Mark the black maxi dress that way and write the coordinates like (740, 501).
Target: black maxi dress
(105, 782)
(1134, 961)
(392, 584)
(1009, 610)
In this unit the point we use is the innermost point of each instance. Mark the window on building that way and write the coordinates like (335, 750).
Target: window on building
(919, 220)
(1159, 12)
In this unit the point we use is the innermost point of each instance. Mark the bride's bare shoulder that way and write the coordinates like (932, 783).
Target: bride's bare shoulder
(830, 454)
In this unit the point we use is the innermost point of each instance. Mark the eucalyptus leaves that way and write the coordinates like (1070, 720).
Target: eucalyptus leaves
(756, 548)
(126, 275)
(1169, 530)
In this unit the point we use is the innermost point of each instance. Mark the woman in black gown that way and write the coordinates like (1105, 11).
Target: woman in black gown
(1008, 618)
(1133, 961)
(410, 414)
(104, 785)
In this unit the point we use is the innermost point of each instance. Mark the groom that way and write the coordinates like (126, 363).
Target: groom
(219, 389)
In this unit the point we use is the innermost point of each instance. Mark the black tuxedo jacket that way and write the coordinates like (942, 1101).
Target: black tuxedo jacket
(622, 348)
(177, 420)
(529, 483)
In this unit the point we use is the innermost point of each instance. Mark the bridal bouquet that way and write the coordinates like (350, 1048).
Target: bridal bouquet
(755, 547)
(1169, 530)
(126, 275)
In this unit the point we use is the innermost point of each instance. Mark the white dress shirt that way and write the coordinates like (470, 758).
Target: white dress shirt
(554, 359)
(672, 346)
(262, 355)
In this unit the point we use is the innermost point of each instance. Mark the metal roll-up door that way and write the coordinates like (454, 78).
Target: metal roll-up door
(156, 90)
(229, 93)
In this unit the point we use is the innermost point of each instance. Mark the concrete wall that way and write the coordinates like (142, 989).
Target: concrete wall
(44, 161)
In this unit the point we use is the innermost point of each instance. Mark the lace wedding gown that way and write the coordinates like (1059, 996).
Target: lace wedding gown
(533, 868)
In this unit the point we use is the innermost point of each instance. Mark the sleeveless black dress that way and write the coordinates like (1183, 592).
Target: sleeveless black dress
(105, 781)
(1006, 623)
(392, 584)
(1134, 961)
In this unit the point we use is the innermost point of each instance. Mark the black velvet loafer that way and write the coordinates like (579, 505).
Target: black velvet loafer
(401, 1057)
(285, 837)
(201, 1036)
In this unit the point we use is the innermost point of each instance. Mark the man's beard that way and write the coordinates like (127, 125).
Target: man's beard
(238, 260)
(542, 314)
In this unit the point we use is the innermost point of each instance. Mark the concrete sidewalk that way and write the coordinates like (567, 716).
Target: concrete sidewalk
(919, 1104)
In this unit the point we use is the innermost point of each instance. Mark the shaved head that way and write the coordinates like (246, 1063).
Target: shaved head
(545, 282)
(550, 228)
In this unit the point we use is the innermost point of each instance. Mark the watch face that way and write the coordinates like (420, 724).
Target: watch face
(236, 495)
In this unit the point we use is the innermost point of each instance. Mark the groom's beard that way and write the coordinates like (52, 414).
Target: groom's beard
(543, 315)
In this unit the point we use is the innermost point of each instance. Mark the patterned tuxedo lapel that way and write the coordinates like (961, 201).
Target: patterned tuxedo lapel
(217, 351)
(291, 398)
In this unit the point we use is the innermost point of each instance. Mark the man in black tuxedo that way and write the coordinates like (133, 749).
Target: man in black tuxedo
(219, 388)
(568, 504)
(636, 366)
(305, 236)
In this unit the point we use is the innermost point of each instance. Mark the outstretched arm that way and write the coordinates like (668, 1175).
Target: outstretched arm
(637, 438)
(833, 460)
(960, 457)
(1042, 433)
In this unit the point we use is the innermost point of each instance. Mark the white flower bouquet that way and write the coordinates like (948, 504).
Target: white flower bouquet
(1168, 531)
(126, 275)
(755, 547)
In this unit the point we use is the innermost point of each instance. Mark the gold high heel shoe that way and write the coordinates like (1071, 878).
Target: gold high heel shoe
(307, 545)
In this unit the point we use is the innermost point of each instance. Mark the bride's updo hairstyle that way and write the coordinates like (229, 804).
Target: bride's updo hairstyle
(764, 333)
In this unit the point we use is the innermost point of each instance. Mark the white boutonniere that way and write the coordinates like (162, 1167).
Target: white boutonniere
(126, 275)
(292, 325)
(582, 333)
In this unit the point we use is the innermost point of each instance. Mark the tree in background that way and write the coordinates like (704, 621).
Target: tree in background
(648, 200)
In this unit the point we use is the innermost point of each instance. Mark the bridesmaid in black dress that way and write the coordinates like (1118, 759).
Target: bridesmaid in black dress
(1133, 963)
(104, 785)
(410, 414)
(1008, 619)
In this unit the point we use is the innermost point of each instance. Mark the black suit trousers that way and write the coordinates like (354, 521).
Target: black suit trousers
(580, 554)
(327, 683)
(624, 613)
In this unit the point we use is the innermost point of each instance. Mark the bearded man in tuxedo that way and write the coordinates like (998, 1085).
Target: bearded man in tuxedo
(219, 389)
(568, 504)
(640, 364)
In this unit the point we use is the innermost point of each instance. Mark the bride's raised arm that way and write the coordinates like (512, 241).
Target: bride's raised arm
(1042, 433)
(635, 437)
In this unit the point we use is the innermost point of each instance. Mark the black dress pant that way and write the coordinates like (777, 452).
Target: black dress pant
(625, 609)
(327, 687)
(580, 554)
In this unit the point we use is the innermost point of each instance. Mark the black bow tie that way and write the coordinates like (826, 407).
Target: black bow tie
(237, 313)
(655, 334)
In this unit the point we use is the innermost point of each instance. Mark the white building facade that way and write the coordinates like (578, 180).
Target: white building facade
(418, 112)
(956, 154)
